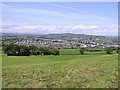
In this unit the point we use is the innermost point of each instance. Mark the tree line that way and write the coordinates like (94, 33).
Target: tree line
(23, 50)
(12, 49)
(108, 50)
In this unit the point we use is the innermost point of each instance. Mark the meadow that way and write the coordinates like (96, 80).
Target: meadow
(67, 70)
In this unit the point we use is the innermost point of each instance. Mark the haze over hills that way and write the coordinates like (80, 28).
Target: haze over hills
(12, 33)
(66, 36)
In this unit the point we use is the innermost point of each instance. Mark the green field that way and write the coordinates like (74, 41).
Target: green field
(68, 70)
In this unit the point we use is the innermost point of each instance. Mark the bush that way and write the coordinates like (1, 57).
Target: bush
(54, 52)
(109, 50)
(82, 50)
(34, 50)
(24, 50)
(118, 50)
(11, 49)
(16, 50)
(32, 47)
(93, 50)
(45, 51)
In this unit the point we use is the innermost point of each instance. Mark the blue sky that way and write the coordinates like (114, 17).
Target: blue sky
(97, 18)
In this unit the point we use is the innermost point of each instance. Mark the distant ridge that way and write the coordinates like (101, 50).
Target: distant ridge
(11, 33)
(70, 36)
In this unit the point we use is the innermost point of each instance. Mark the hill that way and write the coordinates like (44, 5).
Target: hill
(68, 70)
(82, 38)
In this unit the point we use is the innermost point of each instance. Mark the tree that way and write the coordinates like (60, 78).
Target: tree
(109, 50)
(11, 49)
(34, 50)
(45, 51)
(24, 50)
(82, 50)
(32, 47)
(118, 50)
(54, 51)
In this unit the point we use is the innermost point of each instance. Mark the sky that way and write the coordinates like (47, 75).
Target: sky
(95, 18)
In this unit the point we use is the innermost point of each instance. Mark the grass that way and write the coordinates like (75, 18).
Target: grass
(68, 70)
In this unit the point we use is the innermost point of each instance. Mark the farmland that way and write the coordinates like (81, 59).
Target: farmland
(67, 70)
(61, 44)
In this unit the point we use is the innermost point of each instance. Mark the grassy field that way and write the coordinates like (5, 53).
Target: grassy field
(68, 70)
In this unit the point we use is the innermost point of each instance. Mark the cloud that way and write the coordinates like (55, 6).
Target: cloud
(44, 29)
(83, 12)
(30, 10)
(66, 7)
(77, 29)
(74, 15)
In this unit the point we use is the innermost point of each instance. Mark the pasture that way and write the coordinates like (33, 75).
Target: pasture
(67, 70)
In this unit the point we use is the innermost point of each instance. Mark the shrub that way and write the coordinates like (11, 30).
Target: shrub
(93, 50)
(34, 50)
(54, 52)
(82, 50)
(109, 50)
(45, 51)
(11, 49)
(32, 47)
(118, 50)
(24, 50)
(16, 50)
